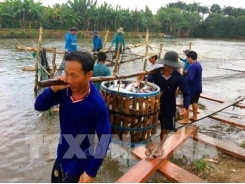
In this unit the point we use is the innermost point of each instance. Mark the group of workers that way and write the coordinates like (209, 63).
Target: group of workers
(71, 40)
(84, 114)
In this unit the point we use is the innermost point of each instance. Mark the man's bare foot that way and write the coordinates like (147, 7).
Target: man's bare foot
(193, 118)
(184, 121)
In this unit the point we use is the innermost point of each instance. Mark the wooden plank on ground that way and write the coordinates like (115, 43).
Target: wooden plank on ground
(169, 170)
(143, 170)
(219, 108)
(219, 100)
(212, 98)
(228, 148)
(228, 121)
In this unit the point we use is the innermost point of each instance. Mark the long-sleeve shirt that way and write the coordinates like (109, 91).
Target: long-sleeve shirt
(118, 38)
(100, 70)
(194, 78)
(187, 65)
(168, 87)
(79, 121)
(71, 42)
(97, 43)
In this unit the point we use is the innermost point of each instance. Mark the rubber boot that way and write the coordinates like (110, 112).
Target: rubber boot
(195, 109)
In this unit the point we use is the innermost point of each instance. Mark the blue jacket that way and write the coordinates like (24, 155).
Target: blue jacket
(71, 42)
(118, 38)
(168, 87)
(194, 78)
(97, 43)
(187, 65)
(79, 121)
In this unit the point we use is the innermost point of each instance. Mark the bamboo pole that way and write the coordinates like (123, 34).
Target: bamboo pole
(160, 51)
(115, 70)
(37, 59)
(126, 61)
(52, 82)
(53, 64)
(105, 39)
(190, 45)
(50, 50)
(146, 47)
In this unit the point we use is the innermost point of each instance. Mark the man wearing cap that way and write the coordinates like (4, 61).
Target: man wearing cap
(152, 58)
(118, 39)
(187, 65)
(168, 80)
(97, 42)
(71, 40)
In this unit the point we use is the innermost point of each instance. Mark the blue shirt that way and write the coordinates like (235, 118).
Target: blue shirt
(71, 42)
(100, 70)
(78, 123)
(118, 38)
(97, 43)
(194, 78)
(187, 64)
(168, 87)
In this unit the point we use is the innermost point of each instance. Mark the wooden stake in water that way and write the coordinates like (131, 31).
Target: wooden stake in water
(115, 70)
(53, 63)
(105, 39)
(190, 45)
(37, 59)
(146, 47)
(160, 51)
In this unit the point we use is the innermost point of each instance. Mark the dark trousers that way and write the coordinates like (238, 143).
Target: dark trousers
(58, 176)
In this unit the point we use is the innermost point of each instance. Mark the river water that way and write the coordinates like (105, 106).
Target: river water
(28, 138)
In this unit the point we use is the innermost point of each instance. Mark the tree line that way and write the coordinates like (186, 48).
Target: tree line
(178, 19)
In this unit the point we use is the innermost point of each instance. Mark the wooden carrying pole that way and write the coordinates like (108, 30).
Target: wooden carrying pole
(52, 82)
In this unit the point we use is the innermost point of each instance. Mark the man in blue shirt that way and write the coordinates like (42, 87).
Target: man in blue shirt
(71, 40)
(100, 69)
(187, 65)
(168, 80)
(97, 42)
(83, 113)
(194, 81)
(118, 39)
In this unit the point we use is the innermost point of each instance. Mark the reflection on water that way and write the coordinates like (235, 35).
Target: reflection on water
(28, 138)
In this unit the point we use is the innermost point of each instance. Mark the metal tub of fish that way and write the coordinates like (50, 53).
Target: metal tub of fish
(133, 107)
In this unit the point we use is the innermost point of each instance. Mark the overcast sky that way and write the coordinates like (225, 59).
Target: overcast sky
(154, 5)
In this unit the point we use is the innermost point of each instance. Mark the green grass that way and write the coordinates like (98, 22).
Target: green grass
(243, 144)
(200, 165)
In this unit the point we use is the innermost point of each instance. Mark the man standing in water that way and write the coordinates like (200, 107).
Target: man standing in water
(194, 81)
(97, 42)
(168, 80)
(118, 39)
(71, 40)
(82, 113)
